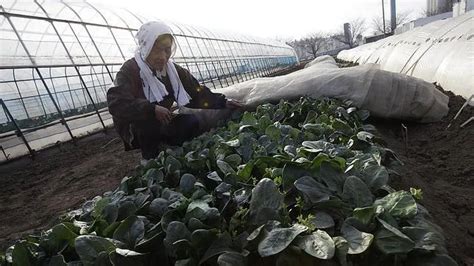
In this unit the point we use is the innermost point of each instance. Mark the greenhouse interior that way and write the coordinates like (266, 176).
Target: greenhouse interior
(89, 46)
(341, 148)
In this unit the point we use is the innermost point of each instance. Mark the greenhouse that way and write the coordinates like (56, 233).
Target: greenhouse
(58, 59)
(131, 139)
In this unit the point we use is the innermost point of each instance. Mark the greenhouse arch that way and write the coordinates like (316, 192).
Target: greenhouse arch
(58, 59)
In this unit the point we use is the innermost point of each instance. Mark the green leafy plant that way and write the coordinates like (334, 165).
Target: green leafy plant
(299, 182)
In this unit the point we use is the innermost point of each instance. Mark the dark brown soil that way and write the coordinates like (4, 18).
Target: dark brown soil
(440, 161)
(33, 193)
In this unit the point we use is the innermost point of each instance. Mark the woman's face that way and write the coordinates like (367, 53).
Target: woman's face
(160, 53)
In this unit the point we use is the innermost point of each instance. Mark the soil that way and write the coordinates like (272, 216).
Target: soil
(440, 161)
(33, 193)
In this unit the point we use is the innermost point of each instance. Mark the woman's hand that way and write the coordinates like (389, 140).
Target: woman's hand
(233, 104)
(162, 114)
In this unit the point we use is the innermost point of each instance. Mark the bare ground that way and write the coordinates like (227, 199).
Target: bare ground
(440, 161)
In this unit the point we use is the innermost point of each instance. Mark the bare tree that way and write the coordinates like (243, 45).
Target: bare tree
(356, 28)
(311, 45)
(314, 43)
(377, 22)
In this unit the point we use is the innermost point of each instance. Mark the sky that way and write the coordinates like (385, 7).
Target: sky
(277, 19)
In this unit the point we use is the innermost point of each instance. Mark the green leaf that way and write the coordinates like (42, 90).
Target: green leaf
(416, 193)
(152, 164)
(317, 146)
(127, 257)
(248, 119)
(22, 254)
(278, 239)
(103, 259)
(126, 209)
(375, 177)
(223, 189)
(231, 259)
(168, 217)
(278, 115)
(202, 238)
(356, 192)
(245, 172)
(319, 160)
(140, 199)
(89, 247)
(290, 150)
(365, 136)
(56, 238)
(390, 240)
(220, 245)
(358, 241)
(266, 202)
(233, 143)
(201, 210)
(398, 204)
(246, 150)
(291, 173)
(130, 231)
(342, 126)
(225, 168)
(364, 215)
(313, 191)
(255, 233)
(172, 164)
(425, 239)
(264, 122)
(186, 183)
(319, 244)
(273, 132)
(57, 260)
(176, 231)
(153, 176)
(150, 243)
(342, 248)
(158, 207)
(110, 212)
(293, 256)
(234, 160)
(99, 206)
(332, 177)
(322, 220)
(214, 176)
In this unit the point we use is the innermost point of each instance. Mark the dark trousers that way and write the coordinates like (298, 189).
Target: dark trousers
(152, 133)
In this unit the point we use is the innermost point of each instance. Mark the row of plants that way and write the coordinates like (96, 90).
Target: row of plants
(296, 183)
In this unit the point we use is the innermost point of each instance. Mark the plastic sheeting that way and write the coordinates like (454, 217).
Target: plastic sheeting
(384, 94)
(442, 52)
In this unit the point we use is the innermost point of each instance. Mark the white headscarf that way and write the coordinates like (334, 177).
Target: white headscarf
(153, 88)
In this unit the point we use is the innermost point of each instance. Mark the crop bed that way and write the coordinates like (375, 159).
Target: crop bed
(303, 182)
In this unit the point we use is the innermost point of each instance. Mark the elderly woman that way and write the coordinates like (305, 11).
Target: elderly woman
(147, 86)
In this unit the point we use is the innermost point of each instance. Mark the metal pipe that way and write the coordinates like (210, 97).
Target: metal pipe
(383, 16)
(19, 133)
(393, 11)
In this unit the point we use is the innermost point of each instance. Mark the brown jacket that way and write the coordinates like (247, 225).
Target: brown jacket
(127, 102)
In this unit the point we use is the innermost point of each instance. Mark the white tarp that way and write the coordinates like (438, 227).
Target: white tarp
(441, 51)
(384, 94)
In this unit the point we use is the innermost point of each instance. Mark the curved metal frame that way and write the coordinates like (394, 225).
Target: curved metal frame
(219, 56)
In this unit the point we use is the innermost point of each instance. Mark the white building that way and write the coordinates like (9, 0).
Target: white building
(434, 7)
